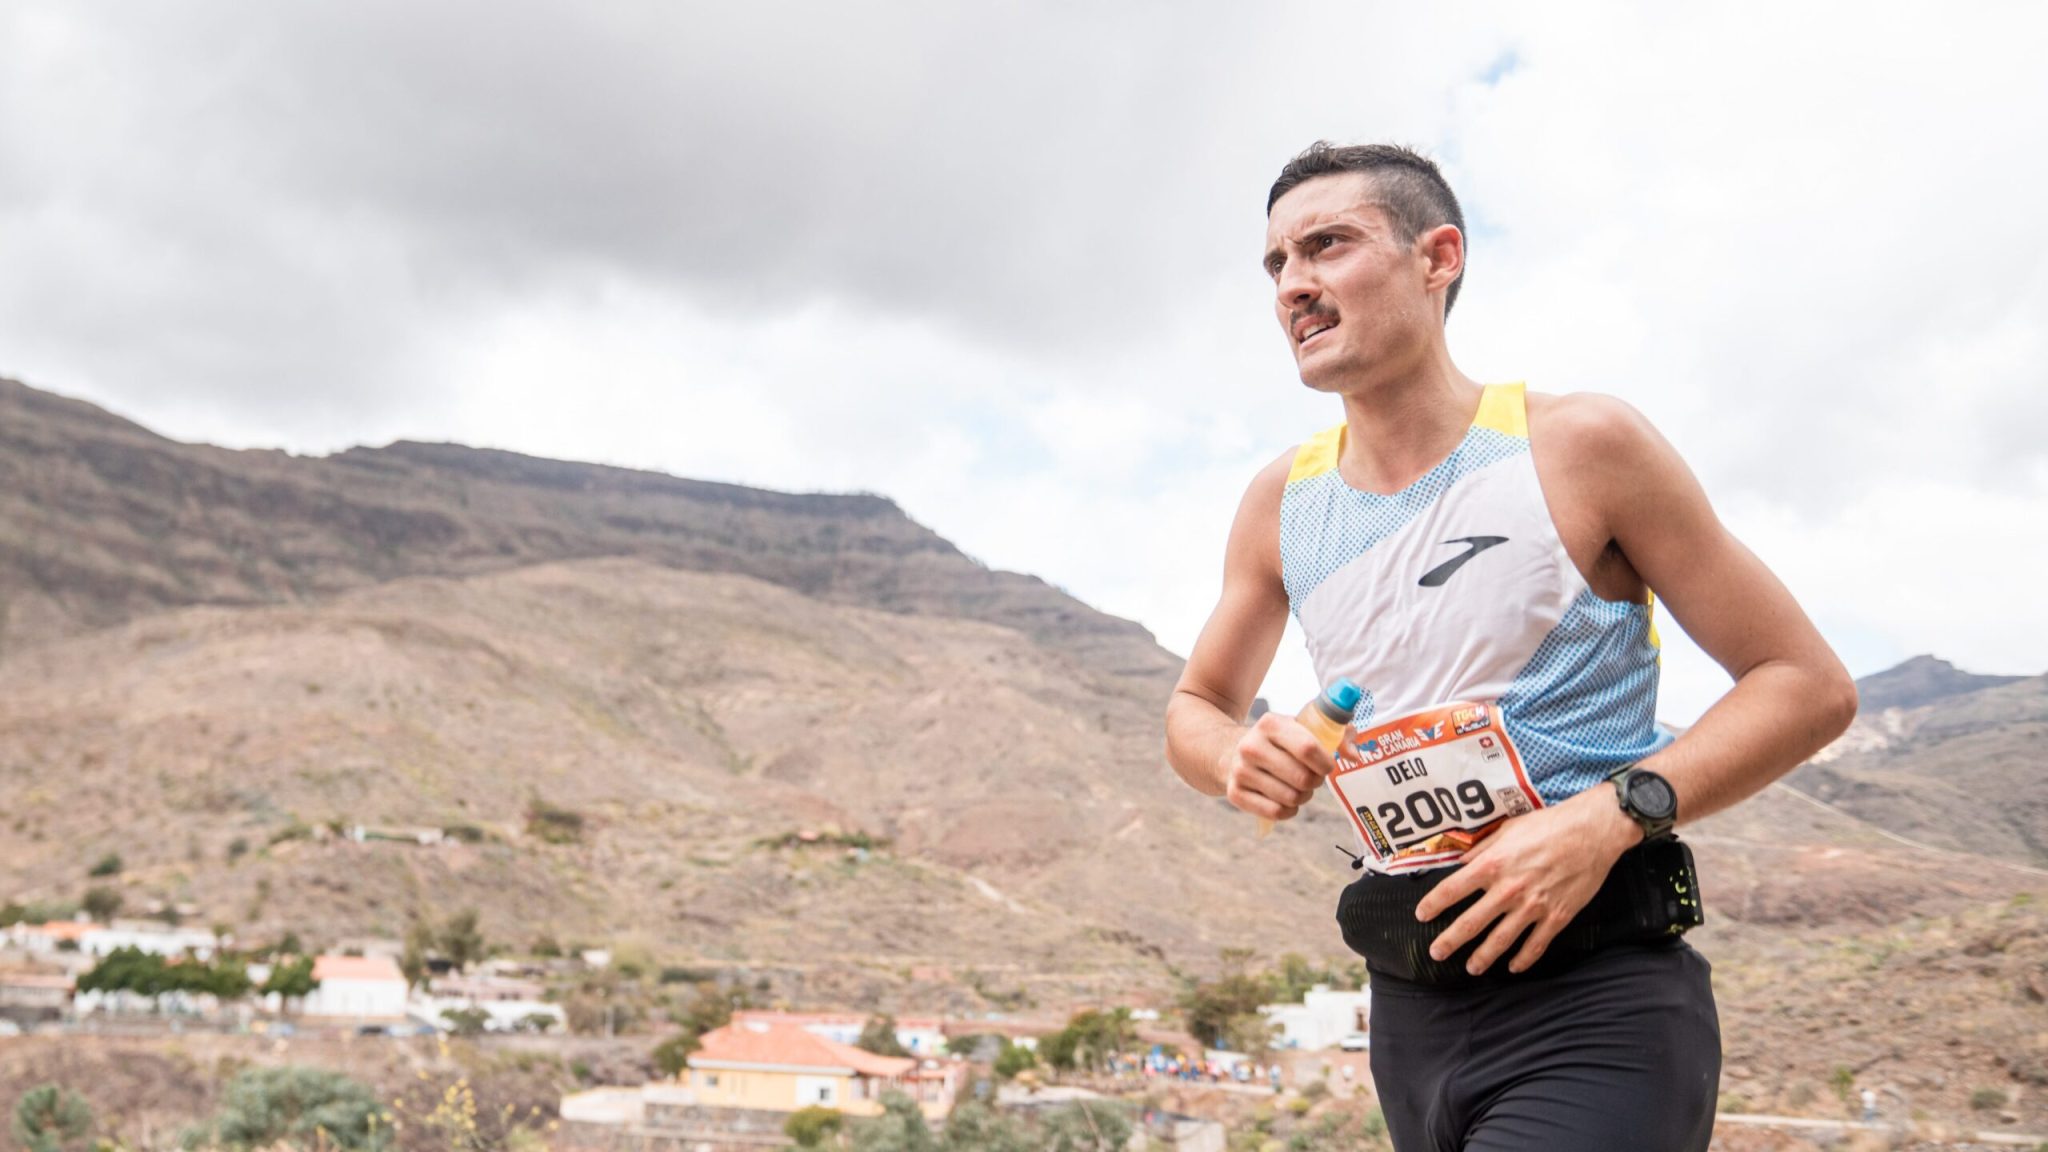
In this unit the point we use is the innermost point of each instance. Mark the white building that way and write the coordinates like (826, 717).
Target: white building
(45, 939)
(1323, 1018)
(356, 987)
(92, 939)
(152, 938)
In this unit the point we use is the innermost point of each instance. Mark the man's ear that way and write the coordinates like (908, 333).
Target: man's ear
(1444, 246)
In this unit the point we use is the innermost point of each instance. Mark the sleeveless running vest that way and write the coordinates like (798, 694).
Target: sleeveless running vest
(1457, 588)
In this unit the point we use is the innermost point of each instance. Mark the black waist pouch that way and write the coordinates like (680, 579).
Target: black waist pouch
(1652, 893)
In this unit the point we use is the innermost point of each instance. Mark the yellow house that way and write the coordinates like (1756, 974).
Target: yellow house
(776, 1066)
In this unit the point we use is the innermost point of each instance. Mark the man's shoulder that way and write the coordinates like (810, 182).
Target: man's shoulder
(1259, 511)
(1588, 426)
(1271, 480)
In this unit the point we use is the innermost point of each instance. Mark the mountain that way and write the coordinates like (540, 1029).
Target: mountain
(1921, 681)
(103, 521)
(1945, 757)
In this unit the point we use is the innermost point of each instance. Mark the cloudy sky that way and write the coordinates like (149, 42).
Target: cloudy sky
(1000, 262)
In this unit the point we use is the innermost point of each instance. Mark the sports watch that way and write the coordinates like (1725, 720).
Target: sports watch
(1646, 798)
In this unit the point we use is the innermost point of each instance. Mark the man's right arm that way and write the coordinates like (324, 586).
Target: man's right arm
(1273, 767)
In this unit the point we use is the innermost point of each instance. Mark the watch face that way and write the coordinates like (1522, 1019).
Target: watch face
(1651, 795)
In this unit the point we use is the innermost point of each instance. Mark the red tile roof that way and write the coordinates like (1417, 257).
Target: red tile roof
(66, 929)
(780, 1042)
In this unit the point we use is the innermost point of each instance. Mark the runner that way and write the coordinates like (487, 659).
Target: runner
(1480, 561)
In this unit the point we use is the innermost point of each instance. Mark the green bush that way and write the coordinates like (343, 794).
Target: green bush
(291, 979)
(295, 1105)
(1986, 1099)
(49, 1119)
(1338, 1132)
(1089, 1039)
(292, 831)
(466, 1021)
(146, 974)
(878, 1035)
(1014, 1058)
(462, 942)
(109, 865)
(900, 1128)
(1085, 1126)
(810, 1126)
(102, 904)
(552, 823)
(673, 1054)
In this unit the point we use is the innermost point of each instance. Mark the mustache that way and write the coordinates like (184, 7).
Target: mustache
(1296, 316)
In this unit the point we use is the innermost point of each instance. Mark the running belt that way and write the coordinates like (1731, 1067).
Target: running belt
(1457, 588)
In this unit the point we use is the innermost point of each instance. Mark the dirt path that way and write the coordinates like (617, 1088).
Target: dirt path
(2014, 1139)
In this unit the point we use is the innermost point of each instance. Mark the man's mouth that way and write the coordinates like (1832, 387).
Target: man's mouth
(1309, 327)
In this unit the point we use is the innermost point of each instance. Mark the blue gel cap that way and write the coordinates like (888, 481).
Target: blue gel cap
(1344, 694)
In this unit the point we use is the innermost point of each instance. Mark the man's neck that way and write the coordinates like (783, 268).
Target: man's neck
(1401, 426)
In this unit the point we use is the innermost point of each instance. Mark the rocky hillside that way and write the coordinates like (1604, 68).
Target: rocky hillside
(694, 721)
(1919, 682)
(103, 521)
(1947, 758)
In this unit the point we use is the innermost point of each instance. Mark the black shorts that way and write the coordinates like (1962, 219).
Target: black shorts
(1620, 1052)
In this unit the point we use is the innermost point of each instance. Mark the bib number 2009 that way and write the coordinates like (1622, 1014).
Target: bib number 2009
(1426, 812)
(1424, 788)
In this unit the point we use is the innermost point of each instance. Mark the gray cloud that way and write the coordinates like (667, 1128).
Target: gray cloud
(335, 177)
(999, 260)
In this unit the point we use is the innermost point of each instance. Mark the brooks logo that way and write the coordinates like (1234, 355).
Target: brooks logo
(1442, 572)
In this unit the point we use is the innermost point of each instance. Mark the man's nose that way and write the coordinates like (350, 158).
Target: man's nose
(1297, 283)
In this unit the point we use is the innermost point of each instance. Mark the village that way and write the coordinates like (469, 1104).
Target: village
(740, 1078)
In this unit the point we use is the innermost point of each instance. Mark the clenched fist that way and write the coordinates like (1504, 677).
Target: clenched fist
(1274, 768)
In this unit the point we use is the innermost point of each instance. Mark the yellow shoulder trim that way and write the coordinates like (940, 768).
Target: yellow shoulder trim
(1503, 408)
(1654, 641)
(1317, 454)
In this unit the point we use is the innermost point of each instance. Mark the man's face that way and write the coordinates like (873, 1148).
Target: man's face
(1351, 296)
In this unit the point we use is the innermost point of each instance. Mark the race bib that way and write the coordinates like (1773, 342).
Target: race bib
(1424, 788)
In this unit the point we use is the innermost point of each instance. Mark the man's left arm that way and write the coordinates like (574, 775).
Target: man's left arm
(1790, 698)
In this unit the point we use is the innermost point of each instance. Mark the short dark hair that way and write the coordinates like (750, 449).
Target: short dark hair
(1407, 186)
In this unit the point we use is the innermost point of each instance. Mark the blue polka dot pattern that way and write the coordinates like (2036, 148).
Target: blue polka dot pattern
(1586, 703)
(1326, 524)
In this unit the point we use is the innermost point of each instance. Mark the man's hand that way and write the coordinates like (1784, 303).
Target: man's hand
(1537, 871)
(1274, 768)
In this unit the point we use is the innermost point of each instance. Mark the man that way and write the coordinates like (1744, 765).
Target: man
(1480, 562)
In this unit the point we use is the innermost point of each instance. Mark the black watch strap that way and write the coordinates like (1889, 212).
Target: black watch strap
(1646, 798)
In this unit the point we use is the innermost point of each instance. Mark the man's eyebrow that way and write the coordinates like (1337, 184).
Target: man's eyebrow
(1307, 235)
